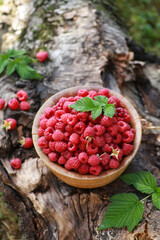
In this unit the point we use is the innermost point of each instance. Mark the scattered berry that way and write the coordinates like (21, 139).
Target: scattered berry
(42, 56)
(13, 104)
(26, 142)
(16, 163)
(24, 106)
(22, 95)
(2, 103)
(9, 124)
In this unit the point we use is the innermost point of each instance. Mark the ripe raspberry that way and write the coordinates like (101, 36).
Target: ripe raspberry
(107, 148)
(41, 131)
(76, 98)
(70, 99)
(105, 159)
(80, 127)
(117, 138)
(112, 129)
(41, 117)
(113, 163)
(69, 129)
(49, 112)
(126, 118)
(127, 148)
(83, 157)
(60, 126)
(2, 103)
(92, 149)
(22, 95)
(42, 142)
(66, 107)
(52, 145)
(72, 119)
(114, 100)
(64, 117)
(104, 92)
(83, 169)
(58, 135)
(74, 138)
(51, 122)
(53, 157)
(60, 146)
(42, 56)
(82, 92)
(76, 153)
(123, 126)
(82, 116)
(66, 154)
(89, 132)
(72, 147)
(83, 139)
(43, 123)
(61, 160)
(99, 141)
(133, 130)
(94, 160)
(13, 104)
(62, 100)
(59, 113)
(26, 142)
(95, 170)
(99, 129)
(59, 106)
(16, 163)
(72, 163)
(9, 124)
(92, 94)
(96, 121)
(120, 154)
(108, 138)
(66, 136)
(46, 151)
(120, 111)
(106, 121)
(128, 137)
(106, 167)
(48, 133)
(82, 146)
(24, 106)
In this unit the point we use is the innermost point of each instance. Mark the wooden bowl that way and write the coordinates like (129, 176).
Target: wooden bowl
(73, 178)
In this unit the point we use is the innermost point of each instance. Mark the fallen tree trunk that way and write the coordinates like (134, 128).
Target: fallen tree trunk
(86, 47)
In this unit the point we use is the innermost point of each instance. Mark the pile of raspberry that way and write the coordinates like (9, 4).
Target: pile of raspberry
(78, 143)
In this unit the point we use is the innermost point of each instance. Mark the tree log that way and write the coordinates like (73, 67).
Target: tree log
(86, 47)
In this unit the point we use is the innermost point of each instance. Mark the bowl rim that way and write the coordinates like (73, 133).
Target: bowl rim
(74, 175)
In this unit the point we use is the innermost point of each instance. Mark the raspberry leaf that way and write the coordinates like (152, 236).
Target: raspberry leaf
(143, 181)
(156, 198)
(11, 67)
(85, 104)
(96, 113)
(26, 72)
(3, 62)
(109, 110)
(125, 210)
(15, 53)
(103, 101)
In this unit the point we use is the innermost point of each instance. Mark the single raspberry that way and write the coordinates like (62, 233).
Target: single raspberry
(66, 136)
(128, 137)
(104, 92)
(83, 157)
(96, 121)
(62, 100)
(92, 149)
(64, 117)
(99, 141)
(9, 124)
(82, 146)
(119, 154)
(80, 127)
(61, 160)
(76, 153)
(83, 139)
(51, 122)
(60, 126)
(117, 138)
(82, 92)
(106, 167)
(26, 142)
(126, 118)
(43, 123)
(60, 146)
(83, 169)
(114, 100)
(24, 106)
(107, 148)
(46, 151)
(72, 163)
(72, 119)
(49, 112)
(48, 133)
(2, 103)
(108, 138)
(66, 154)
(53, 157)
(123, 126)
(106, 121)
(82, 116)
(52, 145)
(22, 95)
(112, 129)
(66, 107)
(127, 148)
(133, 130)
(114, 163)
(120, 111)
(59, 106)
(74, 138)
(95, 170)
(42, 56)
(59, 113)
(76, 98)
(13, 104)
(89, 132)
(69, 129)
(41, 131)
(42, 117)
(16, 163)
(94, 160)
(92, 94)
(105, 158)
(99, 129)
(58, 135)
(71, 99)
(72, 146)
(42, 142)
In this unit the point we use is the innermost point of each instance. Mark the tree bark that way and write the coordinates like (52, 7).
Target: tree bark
(86, 47)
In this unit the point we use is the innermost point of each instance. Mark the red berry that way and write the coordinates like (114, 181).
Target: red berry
(41, 131)
(53, 157)
(42, 142)
(113, 163)
(26, 142)
(74, 138)
(123, 126)
(46, 151)
(94, 160)
(64, 117)
(58, 135)
(80, 127)
(92, 94)
(72, 163)
(43, 123)
(48, 133)
(106, 121)
(105, 159)
(72, 119)
(66, 107)
(51, 122)
(108, 138)
(120, 111)
(60, 126)
(59, 113)
(126, 118)
(84, 168)
(82, 146)
(61, 160)
(117, 138)
(72, 147)
(66, 136)
(120, 154)
(82, 116)
(49, 112)
(69, 129)
(52, 145)
(99, 129)
(16, 163)
(112, 129)
(82, 92)
(42, 56)
(128, 137)
(95, 170)
(92, 149)
(22, 95)
(83, 139)
(9, 124)
(99, 141)
(127, 148)
(104, 92)
(41, 117)
(60, 146)
(89, 132)
(114, 100)
(83, 157)
(2, 103)
(66, 154)
(107, 148)
(13, 104)
(24, 106)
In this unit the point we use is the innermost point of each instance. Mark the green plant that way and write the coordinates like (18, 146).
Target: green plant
(17, 61)
(126, 209)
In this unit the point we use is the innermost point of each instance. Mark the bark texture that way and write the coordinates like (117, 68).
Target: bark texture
(86, 47)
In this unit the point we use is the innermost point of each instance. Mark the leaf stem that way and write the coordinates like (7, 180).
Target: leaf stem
(146, 197)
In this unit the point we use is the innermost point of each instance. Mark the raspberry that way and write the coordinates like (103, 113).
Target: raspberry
(26, 142)
(61, 160)
(13, 104)
(58, 135)
(120, 154)
(46, 151)
(59, 106)
(107, 148)
(66, 136)
(48, 133)
(99, 141)
(62, 100)
(89, 132)
(72, 119)
(126, 118)
(82, 146)
(106, 167)
(105, 159)
(114, 100)
(104, 92)
(70, 99)
(92, 94)
(51, 122)
(60, 146)
(127, 148)
(60, 126)
(99, 129)
(128, 137)
(117, 138)
(112, 129)
(66, 154)
(41, 117)
(92, 148)
(120, 111)
(53, 157)
(95, 170)
(66, 107)
(69, 129)
(59, 113)
(108, 138)
(113, 163)
(80, 127)
(106, 121)
(133, 130)
(42, 56)
(74, 138)
(43, 123)
(41, 131)
(96, 121)
(83, 139)
(24, 106)
(83, 157)
(76, 98)
(9, 124)
(2, 103)
(82, 92)
(42, 142)
(22, 95)
(83, 169)
(76, 153)
(64, 117)
(94, 160)
(49, 112)
(72, 147)
(82, 116)
(52, 145)
(16, 163)
(123, 126)
(72, 163)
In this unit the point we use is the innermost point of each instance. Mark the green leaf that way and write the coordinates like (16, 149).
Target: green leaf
(96, 113)
(143, 181)
(109, 110)
(26, 72)
(84, 104)
(156, 198)
(1, 194)
(15, 53)
(125, 210)
(24, 60)
(3, 62)
(11, 67)
(102, 100)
